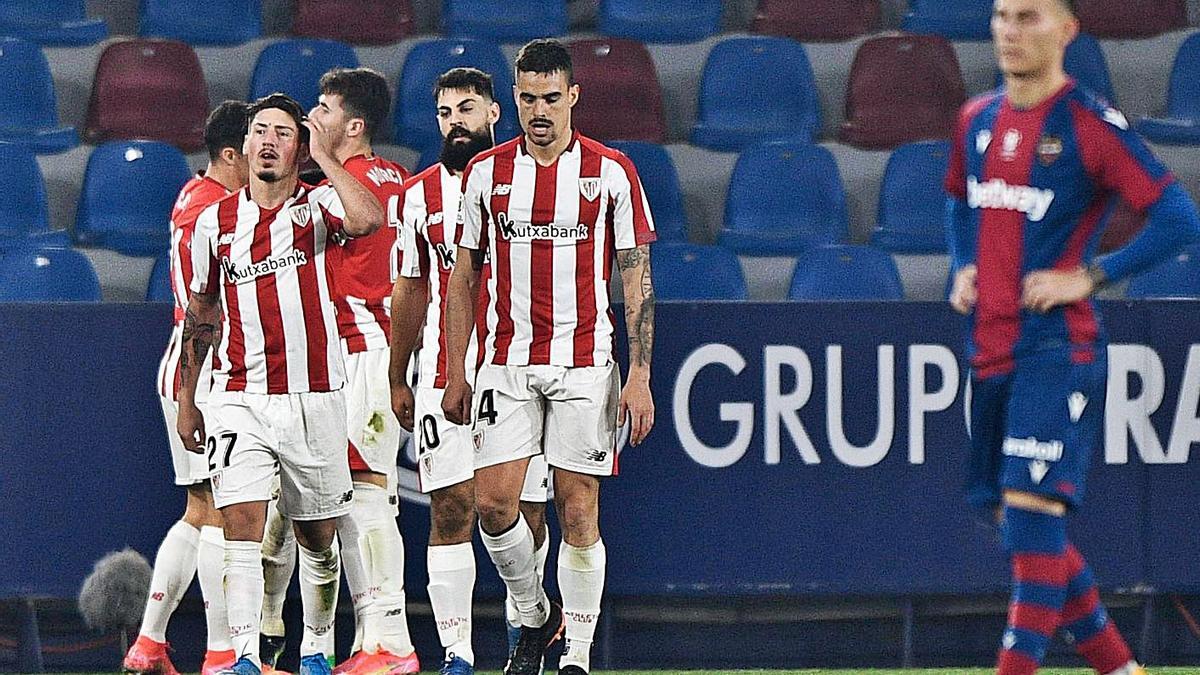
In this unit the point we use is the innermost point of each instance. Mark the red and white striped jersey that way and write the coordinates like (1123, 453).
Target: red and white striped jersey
(551, 233)
(279, 331)
(365, 267)
(428, 229)
(196, 195)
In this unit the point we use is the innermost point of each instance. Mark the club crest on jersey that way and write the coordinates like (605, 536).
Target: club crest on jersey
(589, 188)
(300, 214)
(1048, 149)
(1008, 145)
(982, 140)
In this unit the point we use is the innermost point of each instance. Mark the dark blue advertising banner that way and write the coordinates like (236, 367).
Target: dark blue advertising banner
(801, 448)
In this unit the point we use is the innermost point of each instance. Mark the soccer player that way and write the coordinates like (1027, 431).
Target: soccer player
(1034, 169)
(352, 106)
(194, 544)
(467, 113)
(276, 406)
(551, 210)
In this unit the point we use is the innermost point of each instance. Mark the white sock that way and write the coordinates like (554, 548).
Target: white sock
(581, 580)
(361, 594)
(512, 553)
(210, 570)
(511, 614)
(320, 574)
(451, 585)
(174, 567)
(243, 596)
(278, 562)
(382, 549)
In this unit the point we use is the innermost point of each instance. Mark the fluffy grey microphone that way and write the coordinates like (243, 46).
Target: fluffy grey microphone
(114, 594)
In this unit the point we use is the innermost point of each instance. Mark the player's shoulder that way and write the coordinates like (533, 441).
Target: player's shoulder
(1092, 109)
(212, 213)
(507, 148)
(612, 154)
(433, 172)
(375, 171)
(977, 104)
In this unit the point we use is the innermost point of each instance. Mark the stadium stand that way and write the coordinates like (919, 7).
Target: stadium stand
(692, 272)
(1179, 277)
(661, 184)
(803, 205)
(23, 193)
(661, 20)
(48, 274)
(902, 88)
(159, 288)
(756, 89)
(1181, 126)
(958, 20)
(414, 122)
(912, 202)
(845, 272)
(1113, 18)
(150, 89)
(504, 20)
(622, 98)
(28, 106)
(295, 66)
(359, 22)
(128, 190)
(60, 23)
(816, 20)
(207, 22)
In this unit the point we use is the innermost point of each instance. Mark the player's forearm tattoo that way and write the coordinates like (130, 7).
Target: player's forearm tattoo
(201, 335)
(631, 258)
(640, 305)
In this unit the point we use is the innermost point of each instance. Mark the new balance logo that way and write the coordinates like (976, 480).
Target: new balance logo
(501, 189)
(225, 239)
(346, 497)
(998, 194)
(395, 612)
(597, 455)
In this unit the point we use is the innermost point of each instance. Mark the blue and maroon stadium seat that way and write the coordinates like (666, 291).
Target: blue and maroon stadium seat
(128, 190)
(54, 23)
(693, 272)
(912, 201)
(295, 67)
(902, 88)
(953, 19)
(359, 22)
(151, 89)
(620, 97)
(49, 274)
(844, 272)
(817, 20)
(202, 22)
(1182, 123)
(504, 20)
(28, 105)
(784, 198)
(661, 183)
(415, 123)
(756, 89)
(1121, 19)
(660, 20)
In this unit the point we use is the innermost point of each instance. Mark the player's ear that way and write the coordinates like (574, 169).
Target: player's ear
(230, 155)
(356, 127)
(303, 155)
(493, 113)
(573, 94)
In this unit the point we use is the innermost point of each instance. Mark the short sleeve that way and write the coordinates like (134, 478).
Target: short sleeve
(470, 211)
(411, 248)
(325, 199)
(203, 252)
(633, 225)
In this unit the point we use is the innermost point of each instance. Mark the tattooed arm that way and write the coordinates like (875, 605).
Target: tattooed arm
(201, 332)
(634, 264)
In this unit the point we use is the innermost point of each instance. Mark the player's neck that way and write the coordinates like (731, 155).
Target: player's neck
(353, 149)
(1029, 92)
(224, 175)
(547, 155)
(270, 195)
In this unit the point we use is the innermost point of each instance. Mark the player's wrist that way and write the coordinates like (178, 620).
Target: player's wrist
(1096, 275)
(639, 375)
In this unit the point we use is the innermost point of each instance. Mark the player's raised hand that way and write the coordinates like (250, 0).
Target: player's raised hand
(402, 405)
(636, 403)
(320, 141)
(190, 426)
(1043, 290)
(456, 402)
(963, 293)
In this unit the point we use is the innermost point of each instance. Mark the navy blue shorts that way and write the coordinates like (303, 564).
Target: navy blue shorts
(1035, 429)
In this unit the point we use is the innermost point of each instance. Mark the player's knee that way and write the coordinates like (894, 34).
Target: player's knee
(452, 522)
(315, 535)
(495, 513)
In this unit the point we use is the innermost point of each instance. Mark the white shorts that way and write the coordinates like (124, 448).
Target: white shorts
(191, 468)
(374, 432)
(446, 453)
(300, 437)
(569, 415)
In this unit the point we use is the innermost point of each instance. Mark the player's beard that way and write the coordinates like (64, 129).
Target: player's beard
(455, 156)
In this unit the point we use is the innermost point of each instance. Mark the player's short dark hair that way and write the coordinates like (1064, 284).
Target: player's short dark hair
(364, 94)
(225, 127)
(465, 79)
(279, 101)
(1072, 6)
(544, 57)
